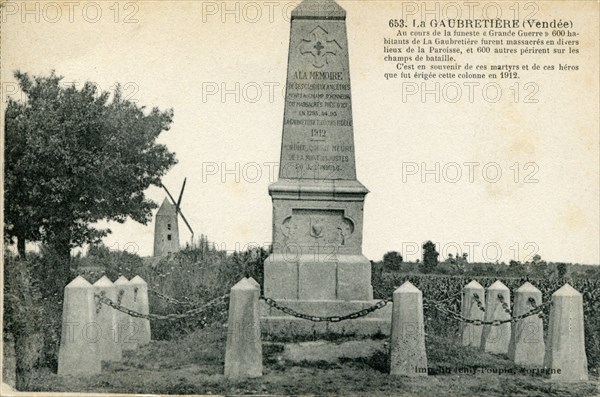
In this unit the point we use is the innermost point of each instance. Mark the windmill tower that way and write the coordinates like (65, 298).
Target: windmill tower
(166, 225)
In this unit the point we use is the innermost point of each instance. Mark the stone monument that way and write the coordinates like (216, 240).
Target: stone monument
(317, 265)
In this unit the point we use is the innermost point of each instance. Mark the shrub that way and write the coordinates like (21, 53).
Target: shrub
(23, 317)
(392, 261)
(197, 274)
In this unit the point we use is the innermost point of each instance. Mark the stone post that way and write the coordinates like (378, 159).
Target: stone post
(496, 338)
(141, 305)
(78, 353)
(526, 346)
(565, 350)
(472, 292)
(128, 331)
(243, 352)
(407, 343)
(108, 346)
(254, 282)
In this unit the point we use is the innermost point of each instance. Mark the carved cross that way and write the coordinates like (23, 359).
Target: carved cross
(319, 47)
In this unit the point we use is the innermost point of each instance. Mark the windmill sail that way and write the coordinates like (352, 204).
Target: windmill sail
(178, 205)
(178, 208)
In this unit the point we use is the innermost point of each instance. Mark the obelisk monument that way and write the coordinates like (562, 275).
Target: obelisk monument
(317, 263)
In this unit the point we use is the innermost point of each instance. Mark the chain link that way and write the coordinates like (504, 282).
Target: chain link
(330, 319)
(478, 301)
(504, 305)
(169, 317)
(99, 302)
(531, 301)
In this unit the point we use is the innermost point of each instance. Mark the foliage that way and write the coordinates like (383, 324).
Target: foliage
(198, 274)
(100, 260)
(561, 269)
(539, 267)
(430, 257)
(74, 158)
(453, 264)
(23, 316)
(543, 269)
(392, 260)
(41, 266)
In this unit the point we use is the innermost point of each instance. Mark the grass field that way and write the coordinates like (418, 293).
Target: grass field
(193, 364)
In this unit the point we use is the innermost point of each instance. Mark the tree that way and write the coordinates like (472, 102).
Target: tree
(392, 261)
(74, 158)
(430, 256)
(538, 266)
(561, 269)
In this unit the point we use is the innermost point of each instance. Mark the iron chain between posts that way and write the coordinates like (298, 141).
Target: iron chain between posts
(456, 316)
(330, 319)
(169, 317)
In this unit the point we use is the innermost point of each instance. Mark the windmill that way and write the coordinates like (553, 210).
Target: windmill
(166, 226)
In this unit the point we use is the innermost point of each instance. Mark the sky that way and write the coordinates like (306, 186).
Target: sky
(432, 167)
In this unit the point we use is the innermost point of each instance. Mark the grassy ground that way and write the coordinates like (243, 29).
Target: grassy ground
(194, 365)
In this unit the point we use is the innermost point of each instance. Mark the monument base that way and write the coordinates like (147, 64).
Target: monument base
(276, 324)
(318, 277)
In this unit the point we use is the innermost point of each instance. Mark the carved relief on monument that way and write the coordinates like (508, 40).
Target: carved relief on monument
(314, 227)
(320, 46)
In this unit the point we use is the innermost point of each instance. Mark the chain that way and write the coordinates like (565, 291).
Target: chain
(531, 301)
(330, 319)
(169, 317)
(459, 317)
(478, 301)
(504, 304)
(99, 302)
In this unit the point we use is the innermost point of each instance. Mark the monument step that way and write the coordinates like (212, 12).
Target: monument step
(290, 328)
(328, 351)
